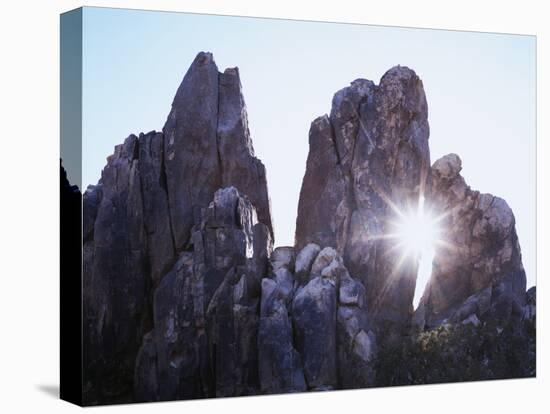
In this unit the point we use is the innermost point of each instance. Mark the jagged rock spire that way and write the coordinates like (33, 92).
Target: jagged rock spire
(370, 153)
(207, 145)
(139, 219)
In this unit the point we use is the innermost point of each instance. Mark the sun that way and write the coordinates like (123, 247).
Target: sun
(415, 234)
(417, 231)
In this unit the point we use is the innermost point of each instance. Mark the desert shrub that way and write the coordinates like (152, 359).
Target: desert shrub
(458, 353)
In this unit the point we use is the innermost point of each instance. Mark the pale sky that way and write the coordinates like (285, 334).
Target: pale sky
(480, 89)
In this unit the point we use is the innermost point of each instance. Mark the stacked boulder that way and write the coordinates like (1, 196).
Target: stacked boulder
(314, 330)
(280, 364)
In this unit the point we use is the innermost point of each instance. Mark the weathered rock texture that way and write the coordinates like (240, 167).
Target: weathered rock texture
(206, 310)
(207, 146)
(478, 272)
(369, 160)
(184, 296)
(370, 152)
(280, 364)
(116, 275)
(139, 220)
(314, 329)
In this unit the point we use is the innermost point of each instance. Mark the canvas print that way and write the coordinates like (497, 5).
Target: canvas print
(265, 206)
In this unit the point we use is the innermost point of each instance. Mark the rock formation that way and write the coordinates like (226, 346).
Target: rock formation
(368, 163)
(314, 329)
(116, 274)
(185, 297)
(207, 146)
(139, 220)
(367, 158)
(478, 272)
(206, 310)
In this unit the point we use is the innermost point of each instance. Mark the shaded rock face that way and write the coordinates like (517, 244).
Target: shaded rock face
(116, 277)
(156, 211)
(357, 342)
(239, 167)
(478, 270)
(142, 216)
(314, 317)
(206, 311)
(190, 146)
(530, 308)
(371, 152)
(280, 364)
(207, 146)
(314, 329)
(128, 246)
(71, 320)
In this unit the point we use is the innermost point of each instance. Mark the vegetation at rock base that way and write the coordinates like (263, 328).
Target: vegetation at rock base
(453, 353)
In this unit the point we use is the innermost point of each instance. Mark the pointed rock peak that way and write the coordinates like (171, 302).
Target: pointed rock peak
(189, 135)
(232, 107)
(239, 166)
(398, 73)
(203, 73)
(203, 58)
(320, 123)
(232, 71)
(130, 147)
(127, 150)
(321, 137)
(231, 97)
(353, 95)
(344, 116)
(402, 86)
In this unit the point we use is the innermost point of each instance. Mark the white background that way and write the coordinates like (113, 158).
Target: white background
(29, 162)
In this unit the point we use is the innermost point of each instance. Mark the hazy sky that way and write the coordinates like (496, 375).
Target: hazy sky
(480, 90)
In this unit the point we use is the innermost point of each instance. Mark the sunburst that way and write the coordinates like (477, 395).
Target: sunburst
(416, 233)
(416, 230)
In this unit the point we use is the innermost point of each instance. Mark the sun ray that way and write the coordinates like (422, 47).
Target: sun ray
(416, 231)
